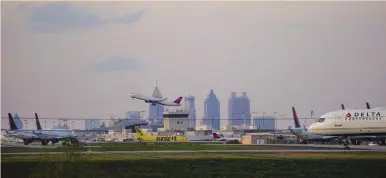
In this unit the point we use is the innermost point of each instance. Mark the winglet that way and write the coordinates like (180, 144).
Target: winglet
(342, 105)
(215, 135)
(38, 126)
(368, 105)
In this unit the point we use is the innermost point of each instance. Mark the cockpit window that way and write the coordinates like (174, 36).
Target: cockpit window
(320, 120)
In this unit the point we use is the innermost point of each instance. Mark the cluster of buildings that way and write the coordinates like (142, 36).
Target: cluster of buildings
(184, 118)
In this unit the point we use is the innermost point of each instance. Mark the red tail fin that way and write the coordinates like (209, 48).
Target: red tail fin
(12, 123)
(216, 136)
(297, 124)
(178, 100)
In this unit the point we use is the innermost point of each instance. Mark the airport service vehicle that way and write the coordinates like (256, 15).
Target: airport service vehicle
(141, 137)
(353, 122)
(155, 101)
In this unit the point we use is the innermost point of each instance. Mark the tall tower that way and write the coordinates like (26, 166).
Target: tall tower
(212, 111)
(239, 110)
(191, 108)
(155, 111)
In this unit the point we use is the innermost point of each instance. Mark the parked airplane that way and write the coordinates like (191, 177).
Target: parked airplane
(230, 140)
(26, 135)
(141, 137)
(304, 135)
(147, 99)
(54, 135)
(353, 122)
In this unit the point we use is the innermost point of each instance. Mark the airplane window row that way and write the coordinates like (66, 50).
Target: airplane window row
(363, 118)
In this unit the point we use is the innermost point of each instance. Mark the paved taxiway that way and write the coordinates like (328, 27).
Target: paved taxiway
(196, 151)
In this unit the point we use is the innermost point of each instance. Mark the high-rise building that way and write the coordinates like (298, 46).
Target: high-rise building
(191, 108)
(212, 111)
(92, 123)
(134, 115)
(239, 112)
(155, 111)
(264, 122)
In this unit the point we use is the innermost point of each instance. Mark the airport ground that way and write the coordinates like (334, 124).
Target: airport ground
(192, 160)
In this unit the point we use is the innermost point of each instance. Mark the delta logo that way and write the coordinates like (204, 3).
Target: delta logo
(367, 114)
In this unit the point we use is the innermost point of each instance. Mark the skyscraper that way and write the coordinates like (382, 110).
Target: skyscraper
(155, 111)
(239, 112)
(191, 108)
(212, 111)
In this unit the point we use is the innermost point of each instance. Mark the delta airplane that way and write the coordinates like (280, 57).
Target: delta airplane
(147, 99)
(141, 137)
(228, 139)
(155, 101)
(304, 135)
(26, 135)
(352, 122)
(54, 135)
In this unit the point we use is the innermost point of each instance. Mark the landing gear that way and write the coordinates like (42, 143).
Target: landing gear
(346, 143)
(26, 142)
(45, 142)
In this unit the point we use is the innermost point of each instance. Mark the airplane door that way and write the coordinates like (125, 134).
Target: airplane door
(338, 121)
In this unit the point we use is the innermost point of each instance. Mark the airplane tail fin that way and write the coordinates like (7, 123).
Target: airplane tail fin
(12, 123)
(139, 131)
(368, 105)
(178, 100)
(215, 135)
(38, 126)
(296, 120)
(342, 105)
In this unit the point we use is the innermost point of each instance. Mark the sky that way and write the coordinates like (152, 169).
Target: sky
(81, 59)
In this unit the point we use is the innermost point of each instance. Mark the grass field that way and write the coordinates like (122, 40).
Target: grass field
(197, 165)
(169, 146)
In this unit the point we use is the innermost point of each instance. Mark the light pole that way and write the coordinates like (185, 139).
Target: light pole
(263, 118)
(25, 124)
(45, 124)
(253, 121)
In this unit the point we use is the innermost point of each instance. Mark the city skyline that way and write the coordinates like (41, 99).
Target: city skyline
(80, 60)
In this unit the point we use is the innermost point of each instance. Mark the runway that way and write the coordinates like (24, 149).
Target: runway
(195, 151)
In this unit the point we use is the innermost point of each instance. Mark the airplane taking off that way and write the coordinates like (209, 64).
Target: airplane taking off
(141, 137)
(304, 135)
(353, 122)
(155, 101)
(147, 99)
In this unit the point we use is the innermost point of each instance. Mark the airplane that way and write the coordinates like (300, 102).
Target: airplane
(26, 135)
(141, 137)
(349, 123)
(54, 135)
(304, 135)
(147, 99)
(229, 140)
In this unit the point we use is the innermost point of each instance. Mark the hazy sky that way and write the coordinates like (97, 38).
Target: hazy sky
(80, 60)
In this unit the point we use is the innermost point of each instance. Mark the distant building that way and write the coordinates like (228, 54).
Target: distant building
(239, 112)
(191, 108)
(177, 120)
(92, 124)
(134, 115)
(155, 111)
(264, 122)
(212, 111)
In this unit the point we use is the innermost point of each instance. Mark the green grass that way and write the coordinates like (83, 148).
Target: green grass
(162, 146)
(196, 165)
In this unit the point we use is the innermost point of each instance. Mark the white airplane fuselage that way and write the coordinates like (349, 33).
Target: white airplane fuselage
(353, 122)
